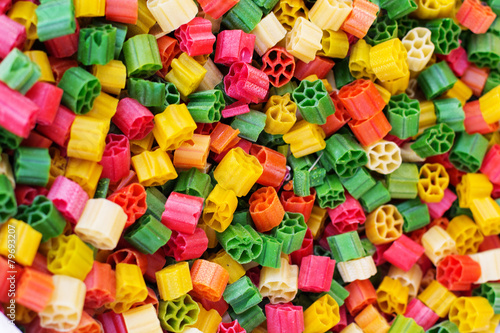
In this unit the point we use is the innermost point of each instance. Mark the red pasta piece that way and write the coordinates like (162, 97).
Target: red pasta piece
(169, 50)
(489, 243)
(231, 327)
(378, 256)
(234, 46)
(196, 37)
(34, 289)
(17, 113)
(220, 306)
(343, 320)
(25, 194)
(347, 216)
(101, 286)
(69, 198)
(60, 128)
(422, 315)
(132, 199)
(490, 164)
(130, 178)
(295, 204)
(60, 66)
(7, 278)
(437, 209)
(133, 119)
(266, 209)
(475, 78)
(254, 275)
(246, 83)
(305, 250)
(475, 16)
(370, 130)
(128, 256)
(156, 262)
(361, 294)
(48, 97)
(242, 143)
(457, 60)
(12, 34)
(361, 99)
(40, 264)
(112, 322)
(335, 121)
(474, 121)
(217, 8)
(187, 246)
(458, 272)
(204, 128)
(116, 157)
(404, 253)
(273, 163)
(235, 109)
(37, 141)
(279, 65)
(64, 46)
(124, 11)
(320, 66)
(182, 212)
(284, 318)
(316, 274)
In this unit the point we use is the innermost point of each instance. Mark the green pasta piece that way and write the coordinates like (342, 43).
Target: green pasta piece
(403, 115)
(317, 176)
(382, 30)
(313, 101)
(142, 56)
(177, 314)
(337, 292)
(18, 72)
(102, 189)
(484, 50)
(468, 152)
(8, 204)
(345, 154)
(436, 79)
(194, 182)
(250, 124)
(403, 324)
(244, 16)
(492, 81)
(490, 291)
(9, 140)
(374, 197)
(55, 18)
(271, 252)
(346, 246)
(342, 73)
(155, 201)
(444, 327)
(291, 232)
(206, 106)
(148, 93)
(359, 183)
(43, 216)
(249, 319)
(397, 9)
(31, 166)
(242, 295)
(450, 112)
(148, 234)
(96, 45)
(445, 35)
(435, 140)
(405, 24)
(241, 242)
(402, 183)
(415, 214)
(301, 183)
(331, 193)
(80, 90)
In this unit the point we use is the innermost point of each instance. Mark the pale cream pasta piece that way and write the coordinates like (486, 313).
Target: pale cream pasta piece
(352, 328)
(490, 265)
(357, 269)
(268, 32)
(212, 78)
(101, 223)
(438, 244)
(410, 279)
(280, 285)
(330, 14)
(304, 40)
(142, 319)
(64, 310)
(408, 155)
(383, 157)
(171, 14)
(419, 47)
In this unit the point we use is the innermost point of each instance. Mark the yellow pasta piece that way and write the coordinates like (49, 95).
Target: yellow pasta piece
(280, 285)
(19, 241)
(208, 321)
(130, 287)
(419, 48)
(220, 206)
(359, 61)
(69, 255)
(101, 223)
(321, 315)
(431, 9)
(465, 233)
(410, 279)
(388, 60)
(171, 14)
(85, 173)
(433, 181)
(88, 138)
(304, 40)
(334, 44)
(486, 213)
(471, 314)
(427, 116)
(64, 310)
(437, 298)
(174, 281)
(392, 296)
(438, 244)
(113, 76)
(473, 186)
(234, 268)
(383, 157)
(330, 14)
(142, 319)
(42, 60)
(268, 32)
(316, 222)
(357, 269)
(153, 168)
(288, 11)
(173, 126)
(384, 225)
(397, 86)
(142, 145)
(186, 74)
(104, 107)
(459, 91)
